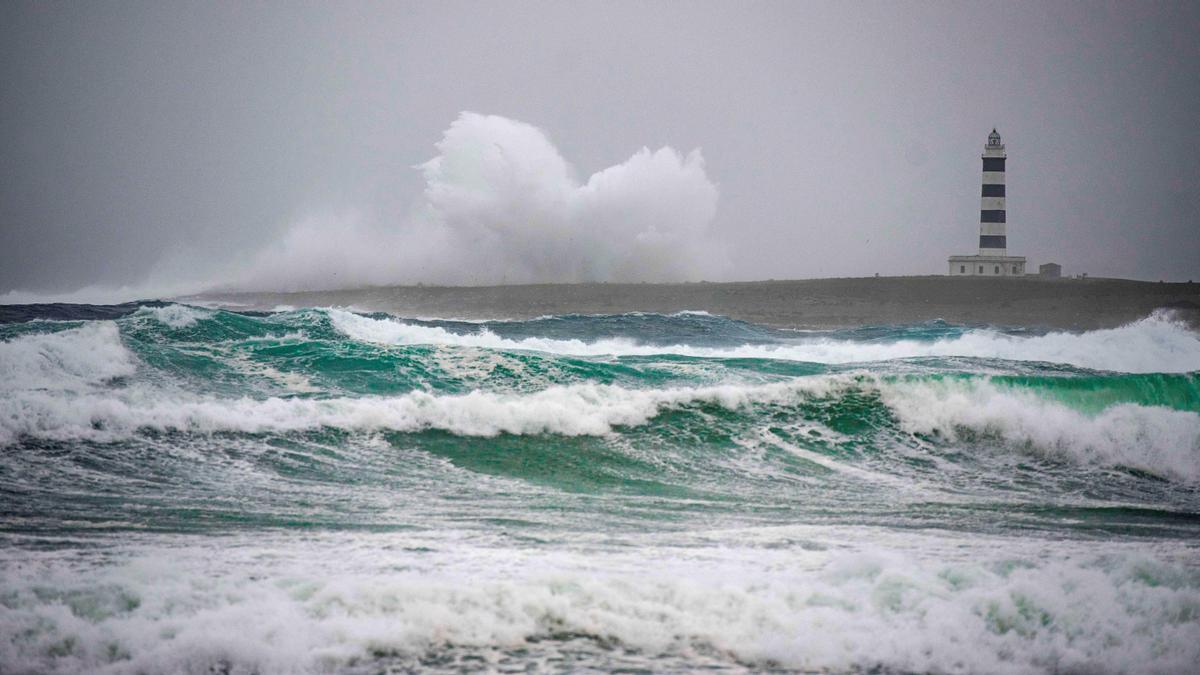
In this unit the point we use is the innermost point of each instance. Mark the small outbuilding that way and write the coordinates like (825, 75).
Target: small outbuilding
(1050, 270)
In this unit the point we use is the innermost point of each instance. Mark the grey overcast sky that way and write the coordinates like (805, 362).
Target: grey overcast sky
(842, 139)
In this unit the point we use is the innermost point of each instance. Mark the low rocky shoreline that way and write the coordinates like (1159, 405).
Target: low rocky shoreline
(1073, 304)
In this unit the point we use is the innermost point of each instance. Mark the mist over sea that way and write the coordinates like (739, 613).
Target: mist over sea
(191, 489)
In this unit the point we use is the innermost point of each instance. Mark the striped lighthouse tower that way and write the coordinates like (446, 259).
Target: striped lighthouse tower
(993, 259)
(993, 240)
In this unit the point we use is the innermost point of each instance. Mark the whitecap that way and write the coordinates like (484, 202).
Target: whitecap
(1157, 343)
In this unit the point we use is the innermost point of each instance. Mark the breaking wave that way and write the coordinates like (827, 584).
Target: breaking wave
(67, 359)
(57, 390)
(1154, 344)
(567, 410)
(1152, 438)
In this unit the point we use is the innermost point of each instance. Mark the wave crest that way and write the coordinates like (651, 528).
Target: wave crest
(1156, 439)
(68, 359)
(572, 410)
(1155, 344)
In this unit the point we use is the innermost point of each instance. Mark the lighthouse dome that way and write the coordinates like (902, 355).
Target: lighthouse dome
(994, 137)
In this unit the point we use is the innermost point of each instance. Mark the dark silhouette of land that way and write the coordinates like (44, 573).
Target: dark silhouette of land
(1076, 304)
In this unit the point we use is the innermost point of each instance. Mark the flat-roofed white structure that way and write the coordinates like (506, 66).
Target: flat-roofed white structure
(993, 259)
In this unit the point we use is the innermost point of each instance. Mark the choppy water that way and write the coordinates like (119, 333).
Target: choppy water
(193, 490)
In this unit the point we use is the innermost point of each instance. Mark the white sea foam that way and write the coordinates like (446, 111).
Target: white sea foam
(1154, 344)
(65, 360)
(910, 602)
(478, 364)
(291, 381)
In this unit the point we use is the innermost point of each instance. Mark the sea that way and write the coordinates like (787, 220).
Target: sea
(189, 489)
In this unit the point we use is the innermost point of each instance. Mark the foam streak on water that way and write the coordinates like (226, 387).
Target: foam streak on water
(312, 490)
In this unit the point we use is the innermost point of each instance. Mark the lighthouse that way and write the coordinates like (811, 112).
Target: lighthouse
(993, 240)
(993, 259)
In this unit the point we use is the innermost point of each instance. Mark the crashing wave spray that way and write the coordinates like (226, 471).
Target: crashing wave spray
(501, 205)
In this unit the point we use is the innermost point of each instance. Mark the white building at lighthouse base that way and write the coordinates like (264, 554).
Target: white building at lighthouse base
(987, 265)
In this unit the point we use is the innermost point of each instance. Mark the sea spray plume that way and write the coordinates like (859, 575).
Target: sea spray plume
(500, 204)
(510, 205)
(332, 250)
